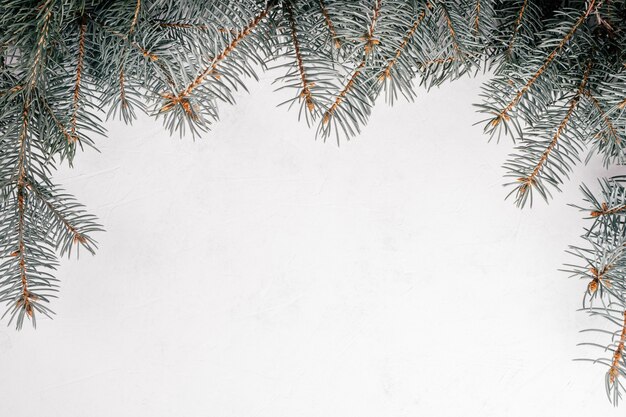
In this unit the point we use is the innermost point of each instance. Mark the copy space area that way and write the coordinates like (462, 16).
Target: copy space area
(258, 272)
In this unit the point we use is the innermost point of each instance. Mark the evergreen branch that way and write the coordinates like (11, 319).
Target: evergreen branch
(387, 71)
(518, 23)
(25, 299)
(477, 18)
(370, 41)
(41, 43)
(77, 237)
(598, 278)
(530, 180)
(146, 53)
(614, 370)
(181, 98)
(342, 94)
(606, 210)
(135, 17)
(604, 116)
(437, 61)
(123, 101)
(503, 114)
(79, 73)
(182, 25)
(69, 138)
(330, 25)
(186, 26)
(453, 36)
(306, 86)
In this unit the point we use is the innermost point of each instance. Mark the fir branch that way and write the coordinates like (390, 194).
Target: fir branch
(598, 279)
(370, 41)
(61, 128)
(146, 53)
(387, 71)
(342, 94)
(477, 18)
(135, 17)
(607, 211)
(79, 74)
(614, 370)
(181, 98)
(25, 300)
(453, 36)
(530, 180)
(604, 116)
(42, 43)
(187, 26)
(330, 25)
(306, 86)
(518, 24)
(503, 114)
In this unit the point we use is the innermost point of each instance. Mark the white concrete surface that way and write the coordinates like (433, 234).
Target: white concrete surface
(260, 273)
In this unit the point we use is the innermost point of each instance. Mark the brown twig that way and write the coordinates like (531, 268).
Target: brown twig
(503, 114)
(79, 74)
(455, 43)
(598, 278)
(604, 116)
(518, 22)
(25, 298)
(617, 355)
(477, 19)
(58, 123)
(153, 57)
(41, 46)
(606, 210)
(306, 85)
(135, 18)
(330, 25)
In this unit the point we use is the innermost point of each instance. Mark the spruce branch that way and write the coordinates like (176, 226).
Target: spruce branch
(306, 85)
(516, 27)
(370, 42)
(531, 180)
(329, 23)
(387, 71)
(181, 98)
(503, 114)
(79, 76)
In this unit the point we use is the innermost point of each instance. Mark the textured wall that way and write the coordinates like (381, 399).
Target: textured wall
(257, 272)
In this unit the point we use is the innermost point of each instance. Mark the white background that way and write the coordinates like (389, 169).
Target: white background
(258, 272)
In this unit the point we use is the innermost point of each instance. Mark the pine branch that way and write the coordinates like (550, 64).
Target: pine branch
(607, 211)
(306, 86)
(503, 114)
(518, 23)
(24, 302)
(330, 25)
(181, 98)
(387, 71)
(133, 23)
(529, 181)
(450, 26)
(370, 42)
(79, 73)
(477, 18)
(614, 371)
